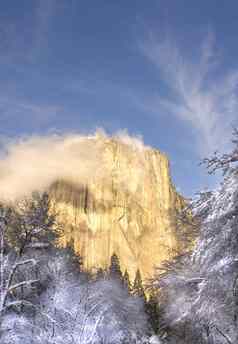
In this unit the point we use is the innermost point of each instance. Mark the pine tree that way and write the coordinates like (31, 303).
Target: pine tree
(126, 281)
(153, 312)
(115, 269)
(138, 289)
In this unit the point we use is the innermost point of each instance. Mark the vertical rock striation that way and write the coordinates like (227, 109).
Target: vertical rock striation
(125, 207)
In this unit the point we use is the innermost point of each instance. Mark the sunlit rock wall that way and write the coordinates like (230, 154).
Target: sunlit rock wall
(126, 207)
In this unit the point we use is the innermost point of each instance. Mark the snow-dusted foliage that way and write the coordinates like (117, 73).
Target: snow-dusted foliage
(46, 298)
(23, 227)
(199, 292)
(73, 308)
(88, 311)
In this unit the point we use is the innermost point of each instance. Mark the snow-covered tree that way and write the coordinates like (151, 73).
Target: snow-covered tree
(74, 308)
(24, 228)
(226, 162)
(198, 291)
(89, 311)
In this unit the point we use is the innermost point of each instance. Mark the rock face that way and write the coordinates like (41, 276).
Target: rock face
(125, 207)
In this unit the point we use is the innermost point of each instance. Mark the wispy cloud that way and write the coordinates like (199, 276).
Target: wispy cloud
(200, 90)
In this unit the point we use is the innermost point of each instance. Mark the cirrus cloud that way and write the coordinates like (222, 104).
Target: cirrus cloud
(200, 90)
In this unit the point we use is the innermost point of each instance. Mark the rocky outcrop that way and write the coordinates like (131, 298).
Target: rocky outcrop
(126, 207)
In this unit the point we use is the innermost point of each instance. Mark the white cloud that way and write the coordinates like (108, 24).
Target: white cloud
(34, 163)
(200, 92)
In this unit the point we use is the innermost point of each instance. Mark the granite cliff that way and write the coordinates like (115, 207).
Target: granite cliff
(125, 207)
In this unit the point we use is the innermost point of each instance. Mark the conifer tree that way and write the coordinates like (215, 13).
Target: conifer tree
(115, 269)
(153, 312)
(138, 289)
(126, 281)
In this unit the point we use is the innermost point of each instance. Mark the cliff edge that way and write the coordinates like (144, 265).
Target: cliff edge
(125, 207)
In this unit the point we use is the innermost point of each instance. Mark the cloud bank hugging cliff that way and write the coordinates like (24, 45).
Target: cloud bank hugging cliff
(34, 163)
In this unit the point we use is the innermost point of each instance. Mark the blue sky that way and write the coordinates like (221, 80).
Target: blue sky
(165, 70)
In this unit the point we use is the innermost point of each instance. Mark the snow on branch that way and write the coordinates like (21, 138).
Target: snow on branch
(22, 284)
(225, 161)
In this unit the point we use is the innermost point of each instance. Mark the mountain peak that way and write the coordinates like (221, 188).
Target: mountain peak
(124, 207)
